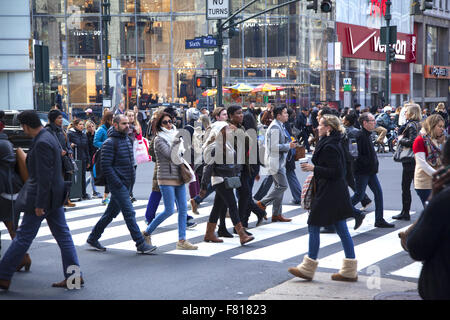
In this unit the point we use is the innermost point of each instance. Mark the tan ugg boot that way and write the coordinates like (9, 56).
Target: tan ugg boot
(306, 269)
(348, 272)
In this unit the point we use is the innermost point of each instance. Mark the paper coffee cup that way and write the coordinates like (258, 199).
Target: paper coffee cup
(303, 160)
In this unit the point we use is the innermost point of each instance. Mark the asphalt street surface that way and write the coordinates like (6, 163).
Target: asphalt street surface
(123, 274)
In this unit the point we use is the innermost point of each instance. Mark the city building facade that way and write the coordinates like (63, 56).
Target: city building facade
(140, 54)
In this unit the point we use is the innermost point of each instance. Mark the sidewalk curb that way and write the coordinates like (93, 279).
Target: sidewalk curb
(323, 288)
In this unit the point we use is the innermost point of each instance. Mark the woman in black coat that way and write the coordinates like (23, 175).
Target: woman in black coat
(331, 203)
(409, 131)
(79, 143)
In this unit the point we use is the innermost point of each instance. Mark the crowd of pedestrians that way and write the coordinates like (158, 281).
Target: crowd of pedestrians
(225, 153)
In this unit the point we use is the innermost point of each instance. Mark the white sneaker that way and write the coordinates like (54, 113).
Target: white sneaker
(186, 245)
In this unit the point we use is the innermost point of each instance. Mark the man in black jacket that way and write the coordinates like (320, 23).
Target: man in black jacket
(54, 126)
(117, 163)
(41, 197)
(305, 126)
(366, 169)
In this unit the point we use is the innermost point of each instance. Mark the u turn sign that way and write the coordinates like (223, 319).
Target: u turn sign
(217, 9)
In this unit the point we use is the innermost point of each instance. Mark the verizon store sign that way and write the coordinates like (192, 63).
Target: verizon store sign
(217, 9)
(364, 43)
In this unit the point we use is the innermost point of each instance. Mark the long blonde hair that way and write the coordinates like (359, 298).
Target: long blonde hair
(431, 122)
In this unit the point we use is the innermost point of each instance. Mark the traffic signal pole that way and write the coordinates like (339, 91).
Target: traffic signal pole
(388, 80)
(220, 70)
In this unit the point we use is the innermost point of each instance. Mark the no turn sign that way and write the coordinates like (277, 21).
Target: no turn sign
(217, 9)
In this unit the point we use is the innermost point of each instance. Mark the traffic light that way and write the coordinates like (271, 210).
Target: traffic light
(204, 82)
(326, 6)
(391, 54)
(415, 8)
(233, 31)
(313, 5)
(426, 4)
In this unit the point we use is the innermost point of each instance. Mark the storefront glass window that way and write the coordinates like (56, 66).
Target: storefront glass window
(154, 41)
(83, 87)
(254, 44)
(153, 5)
(189, 6)
(84, 42)
(187, 27)
(48, 6)
(431, 86)
(84, 6)
(46, 29)
(431, 40)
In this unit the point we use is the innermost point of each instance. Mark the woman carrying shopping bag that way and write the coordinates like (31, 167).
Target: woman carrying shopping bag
(168, 150)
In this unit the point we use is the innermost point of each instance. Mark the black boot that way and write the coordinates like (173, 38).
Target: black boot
(246, 232)
(402, 216)
(223, 232)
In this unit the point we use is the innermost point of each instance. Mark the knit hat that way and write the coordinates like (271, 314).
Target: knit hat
(53, 114)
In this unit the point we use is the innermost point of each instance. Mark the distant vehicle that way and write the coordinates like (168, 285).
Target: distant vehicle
(16, 134)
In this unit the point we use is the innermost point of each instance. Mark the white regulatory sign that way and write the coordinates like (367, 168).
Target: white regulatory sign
(217, 9)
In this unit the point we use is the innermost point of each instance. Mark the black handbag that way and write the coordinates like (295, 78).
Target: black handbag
(403, 154)
(232, 182)
(69, 165)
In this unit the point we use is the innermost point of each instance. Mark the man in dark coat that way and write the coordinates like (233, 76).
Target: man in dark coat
(305, 126)
(41, 197)
(117, 163)
(366, 169)
(54, 126)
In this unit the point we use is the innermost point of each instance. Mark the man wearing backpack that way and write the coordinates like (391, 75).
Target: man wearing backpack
(351, 137)
(384, 124)
(117, 163)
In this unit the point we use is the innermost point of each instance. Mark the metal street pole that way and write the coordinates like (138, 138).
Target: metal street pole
(220, 68)
(387, 17)
(105, 20)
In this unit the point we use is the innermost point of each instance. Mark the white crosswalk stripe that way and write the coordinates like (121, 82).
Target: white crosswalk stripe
(85, 215)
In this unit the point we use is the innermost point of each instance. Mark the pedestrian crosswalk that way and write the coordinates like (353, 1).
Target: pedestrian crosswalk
(274, 242)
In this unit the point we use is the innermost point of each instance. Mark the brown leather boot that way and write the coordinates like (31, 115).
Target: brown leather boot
(210, 235)
(26, 262)
(11, 230)
(4, 284)
(69, 204)
(242, 235)
(63, 284)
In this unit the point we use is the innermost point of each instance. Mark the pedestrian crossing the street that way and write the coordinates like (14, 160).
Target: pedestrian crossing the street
(274, 242)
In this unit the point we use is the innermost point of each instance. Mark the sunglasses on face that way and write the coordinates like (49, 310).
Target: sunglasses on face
(165, 122)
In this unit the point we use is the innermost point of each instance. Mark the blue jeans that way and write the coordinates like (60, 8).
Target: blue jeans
(342, 231)
(152, 205)
(120, 201)
(361, 183)
(209, 190)
(172, 194)
(264, 188)
(26, 233)
(92, 182)
(423, 195)
(294, 184)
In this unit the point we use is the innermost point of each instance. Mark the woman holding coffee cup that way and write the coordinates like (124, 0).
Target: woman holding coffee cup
(331, 204)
